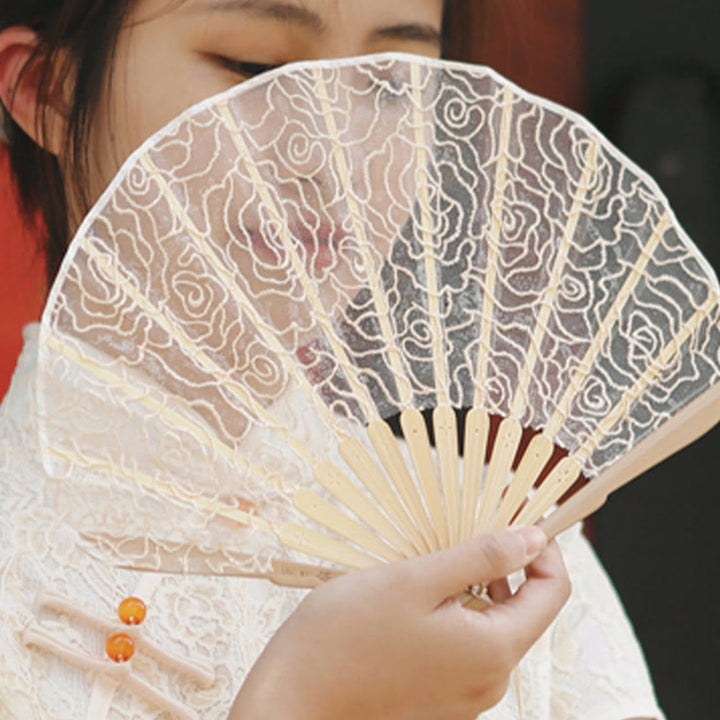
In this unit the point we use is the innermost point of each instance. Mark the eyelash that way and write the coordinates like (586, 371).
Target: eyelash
(246, 69)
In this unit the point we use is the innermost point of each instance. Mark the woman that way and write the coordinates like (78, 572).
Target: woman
(84, 82)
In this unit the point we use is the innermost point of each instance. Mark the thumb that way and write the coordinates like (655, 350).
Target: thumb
(485, 558)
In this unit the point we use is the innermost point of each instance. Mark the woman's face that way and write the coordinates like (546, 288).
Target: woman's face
(174, 53)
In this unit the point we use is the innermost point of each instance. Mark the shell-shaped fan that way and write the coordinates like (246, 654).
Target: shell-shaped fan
(292, 268)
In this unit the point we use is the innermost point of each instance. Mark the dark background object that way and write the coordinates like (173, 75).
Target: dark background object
(653, 86)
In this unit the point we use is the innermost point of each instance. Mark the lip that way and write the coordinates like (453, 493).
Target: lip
(320, 243)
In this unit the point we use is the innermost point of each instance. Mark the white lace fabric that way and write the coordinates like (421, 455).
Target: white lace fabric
(381, 236)
(587, 666)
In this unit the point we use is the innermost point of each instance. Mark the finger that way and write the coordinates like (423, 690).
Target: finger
(524, 617)
(499, 590)
(478, 561)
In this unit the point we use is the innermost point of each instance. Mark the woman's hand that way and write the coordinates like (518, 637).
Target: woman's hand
(386, 643)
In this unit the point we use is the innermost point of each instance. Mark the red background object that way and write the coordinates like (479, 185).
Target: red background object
(22, 279)
(538, 44)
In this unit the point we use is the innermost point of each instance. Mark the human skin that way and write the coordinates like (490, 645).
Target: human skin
(171, 55)
(385, 642)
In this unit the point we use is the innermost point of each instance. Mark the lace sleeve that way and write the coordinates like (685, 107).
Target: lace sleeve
(599, 672)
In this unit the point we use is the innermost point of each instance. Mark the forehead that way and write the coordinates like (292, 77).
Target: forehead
(309, 10)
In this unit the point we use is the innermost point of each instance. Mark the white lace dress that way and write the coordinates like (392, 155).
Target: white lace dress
(588, 666)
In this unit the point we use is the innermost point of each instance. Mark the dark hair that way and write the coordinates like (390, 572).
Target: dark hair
(84, 34)
(464, 30)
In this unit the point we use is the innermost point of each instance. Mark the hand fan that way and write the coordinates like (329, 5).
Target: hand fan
(286, 268)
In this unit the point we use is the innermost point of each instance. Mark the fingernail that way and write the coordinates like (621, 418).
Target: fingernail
(535, 541)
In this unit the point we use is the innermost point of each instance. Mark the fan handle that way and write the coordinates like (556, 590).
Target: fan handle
(685, 427)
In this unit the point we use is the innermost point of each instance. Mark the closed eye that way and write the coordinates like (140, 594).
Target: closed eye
(246, 69)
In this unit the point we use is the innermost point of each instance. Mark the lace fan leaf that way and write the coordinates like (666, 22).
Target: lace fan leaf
(287, 266)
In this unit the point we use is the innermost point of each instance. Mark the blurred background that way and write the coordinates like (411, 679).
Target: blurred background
(647, 72)
(652, 84)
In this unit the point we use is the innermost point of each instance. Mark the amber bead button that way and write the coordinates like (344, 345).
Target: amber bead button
(132, 611)
(120, 647)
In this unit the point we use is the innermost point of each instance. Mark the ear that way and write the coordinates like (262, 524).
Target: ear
(20, 92)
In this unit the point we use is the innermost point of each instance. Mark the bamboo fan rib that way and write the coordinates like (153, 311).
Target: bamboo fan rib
(292, 269)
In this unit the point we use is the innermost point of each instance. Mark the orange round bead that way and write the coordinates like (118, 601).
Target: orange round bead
(132, 611)
(120, 647)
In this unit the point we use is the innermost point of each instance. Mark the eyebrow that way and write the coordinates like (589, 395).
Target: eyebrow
(289, 12)
(417, 32)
